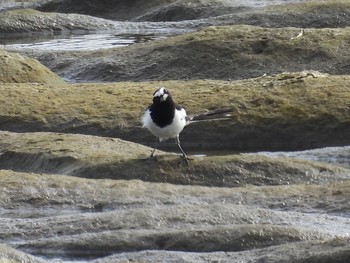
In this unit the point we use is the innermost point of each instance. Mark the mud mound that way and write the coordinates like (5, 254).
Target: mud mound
(138, 10)
(227, 52)
(287, 111)
(95, 157)
(16, 68)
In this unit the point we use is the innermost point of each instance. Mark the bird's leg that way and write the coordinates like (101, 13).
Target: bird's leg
(152, 157)
(184, 156)
(152, 154)
(154, 149)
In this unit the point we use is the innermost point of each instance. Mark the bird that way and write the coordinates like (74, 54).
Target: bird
(165, 119)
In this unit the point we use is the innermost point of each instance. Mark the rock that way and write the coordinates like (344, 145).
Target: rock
(16, 68)
(291, 111)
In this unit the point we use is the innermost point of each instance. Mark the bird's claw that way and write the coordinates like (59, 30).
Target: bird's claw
(186, 159)
(151, 158)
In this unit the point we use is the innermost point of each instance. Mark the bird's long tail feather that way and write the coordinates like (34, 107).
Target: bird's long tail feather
(219, 114)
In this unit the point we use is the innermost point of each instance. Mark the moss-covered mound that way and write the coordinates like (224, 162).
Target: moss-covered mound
(95, 157)
(86, 15)
(286, 111)
(300, 14)
(227, 52)
(155, 10)
(28, 22)
(15, 68)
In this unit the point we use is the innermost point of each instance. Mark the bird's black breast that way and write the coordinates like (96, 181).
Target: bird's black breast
(162, 113)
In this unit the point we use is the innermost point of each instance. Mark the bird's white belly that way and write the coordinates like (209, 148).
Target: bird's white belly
(170, 131)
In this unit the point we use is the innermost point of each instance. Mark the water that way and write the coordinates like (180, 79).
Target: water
(332, 155)
(81, 42)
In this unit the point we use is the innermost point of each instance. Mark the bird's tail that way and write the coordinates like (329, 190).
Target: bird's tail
(219, 114)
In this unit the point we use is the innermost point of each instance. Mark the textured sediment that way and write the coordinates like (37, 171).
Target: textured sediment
(75, 182)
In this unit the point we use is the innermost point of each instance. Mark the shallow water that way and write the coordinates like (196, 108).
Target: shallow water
(332, 155)
(80, 42)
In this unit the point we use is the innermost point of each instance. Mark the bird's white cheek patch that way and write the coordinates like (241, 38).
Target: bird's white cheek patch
(159, 92)
(164, 97)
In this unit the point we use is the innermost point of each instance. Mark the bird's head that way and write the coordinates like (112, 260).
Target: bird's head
(161, 94)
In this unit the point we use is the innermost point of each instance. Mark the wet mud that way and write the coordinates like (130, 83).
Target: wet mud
(75, 181)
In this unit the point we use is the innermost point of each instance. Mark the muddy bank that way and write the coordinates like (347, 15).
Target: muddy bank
(15, 68)
(68, 197)
(171, 16)
(299, 13)
(95, 157)
(317, 252)
(13, 4)
(157, 10)
(228, 53)
(113, 216)
(308, 14)
(287, 111)
(154, 10)
(11, 255)
(28, 22)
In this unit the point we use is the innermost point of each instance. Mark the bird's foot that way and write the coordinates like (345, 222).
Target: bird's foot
(151, 158)
(186, 159)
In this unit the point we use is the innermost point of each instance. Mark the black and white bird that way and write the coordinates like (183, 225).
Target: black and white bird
(165, 119)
